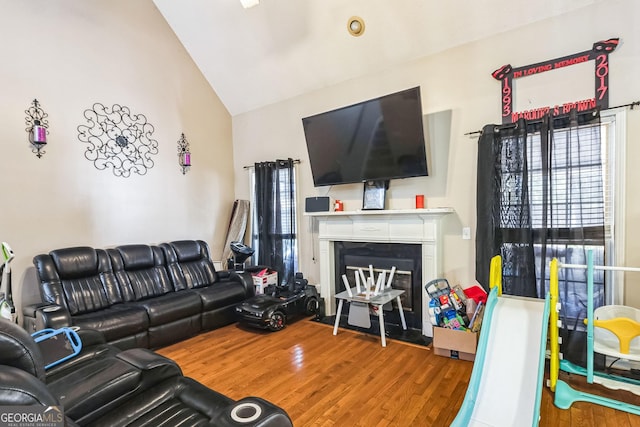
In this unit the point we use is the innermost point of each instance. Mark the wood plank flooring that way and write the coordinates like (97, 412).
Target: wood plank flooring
(349, 379)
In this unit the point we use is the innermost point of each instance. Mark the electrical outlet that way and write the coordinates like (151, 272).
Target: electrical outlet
(466, 233)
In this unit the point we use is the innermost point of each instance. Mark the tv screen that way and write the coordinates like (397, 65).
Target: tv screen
(374, 140)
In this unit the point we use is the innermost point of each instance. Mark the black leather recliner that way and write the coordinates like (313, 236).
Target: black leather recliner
(79, 288)
(136, 295)
(112, 388)
(190, 268)
(141, 273)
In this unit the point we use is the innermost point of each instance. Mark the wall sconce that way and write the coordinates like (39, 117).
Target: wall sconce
(184, 155)
(37, 128)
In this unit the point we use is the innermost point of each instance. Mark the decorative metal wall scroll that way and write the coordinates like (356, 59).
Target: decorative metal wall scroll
(599, 53)
(37, 127)
(118, 140)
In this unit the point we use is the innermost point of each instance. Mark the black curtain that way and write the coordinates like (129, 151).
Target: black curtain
(539, 196)
(503, 214)
(275, 224)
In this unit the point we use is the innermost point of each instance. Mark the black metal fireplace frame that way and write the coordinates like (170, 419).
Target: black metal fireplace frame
(404, 256)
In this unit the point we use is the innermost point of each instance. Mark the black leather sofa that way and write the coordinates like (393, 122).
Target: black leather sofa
(136, 295)
(106, 386)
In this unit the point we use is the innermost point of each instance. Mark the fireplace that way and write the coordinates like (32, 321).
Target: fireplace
(411, 227)
(383, 257)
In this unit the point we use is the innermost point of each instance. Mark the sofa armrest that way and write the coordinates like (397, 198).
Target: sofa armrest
(253, 412)
(223, 274)
(18, 387)
(243, 278)
(42, 315)
(148, 361)
(90, 337)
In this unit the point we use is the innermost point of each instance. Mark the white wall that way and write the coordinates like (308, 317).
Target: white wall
(458, 80)
(70, 54)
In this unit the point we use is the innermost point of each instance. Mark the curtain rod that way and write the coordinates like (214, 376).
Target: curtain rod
(295, 162)
(508, 125)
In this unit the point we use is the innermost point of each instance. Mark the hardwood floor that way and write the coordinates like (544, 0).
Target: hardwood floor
(348, 379)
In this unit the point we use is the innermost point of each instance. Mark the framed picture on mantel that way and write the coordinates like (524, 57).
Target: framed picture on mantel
(374, 195)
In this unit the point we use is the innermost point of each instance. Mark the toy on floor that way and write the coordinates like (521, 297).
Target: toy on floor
(452, 308)
(616, 327)
(279, 304)
(507, 379)
(611, 330)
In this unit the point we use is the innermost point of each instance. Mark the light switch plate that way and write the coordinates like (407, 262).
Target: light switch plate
(466, 233)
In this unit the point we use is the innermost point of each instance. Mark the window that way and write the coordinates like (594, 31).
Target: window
(552, 188)
(579, 212)
(614, 137)
(273, 218)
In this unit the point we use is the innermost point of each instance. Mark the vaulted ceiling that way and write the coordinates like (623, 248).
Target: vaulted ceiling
(280, 49)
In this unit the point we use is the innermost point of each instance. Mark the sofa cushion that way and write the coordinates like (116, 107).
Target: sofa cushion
(190, 264)
(78, 278)
(190, 250)
(172, 306)
(221, 294)
(140, 271)
(115, 322)
(91, 385)
(75, 263)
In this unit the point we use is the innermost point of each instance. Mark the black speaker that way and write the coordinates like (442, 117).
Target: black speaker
(317, 204)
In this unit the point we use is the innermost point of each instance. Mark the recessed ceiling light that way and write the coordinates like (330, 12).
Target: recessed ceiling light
(249, 3)
(355, 25)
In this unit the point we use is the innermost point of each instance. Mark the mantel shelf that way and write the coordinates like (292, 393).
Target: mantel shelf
(392, 212)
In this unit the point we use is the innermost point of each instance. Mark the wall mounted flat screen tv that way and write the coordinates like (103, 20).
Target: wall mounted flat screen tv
(375, 140)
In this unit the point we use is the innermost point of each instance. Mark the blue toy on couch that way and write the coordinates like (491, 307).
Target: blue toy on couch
(57, 345)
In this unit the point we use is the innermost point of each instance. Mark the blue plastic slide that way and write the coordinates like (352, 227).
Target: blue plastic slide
(508, 373)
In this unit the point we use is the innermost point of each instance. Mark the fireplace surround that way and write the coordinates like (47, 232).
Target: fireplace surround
(407, 260)
(409, 226)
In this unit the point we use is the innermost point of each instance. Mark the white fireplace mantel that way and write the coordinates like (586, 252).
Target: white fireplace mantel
(409, 226)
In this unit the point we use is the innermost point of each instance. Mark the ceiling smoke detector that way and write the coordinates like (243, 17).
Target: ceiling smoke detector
(355, 25)
(249, 3)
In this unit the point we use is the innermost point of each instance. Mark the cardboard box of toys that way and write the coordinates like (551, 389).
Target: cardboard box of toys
(264, 278)
(456, 315)
(455, 344)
